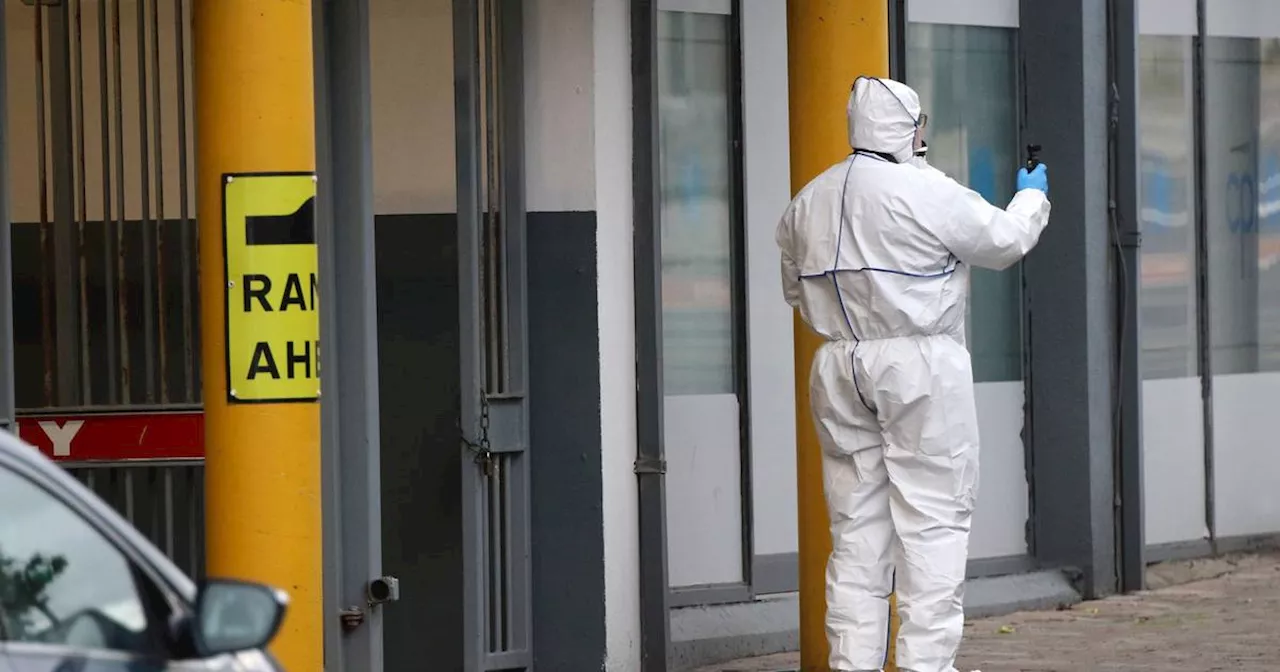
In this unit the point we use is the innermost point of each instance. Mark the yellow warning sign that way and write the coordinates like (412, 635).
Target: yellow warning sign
(273, 328)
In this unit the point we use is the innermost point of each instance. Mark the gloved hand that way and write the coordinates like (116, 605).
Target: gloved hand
(1036, 179)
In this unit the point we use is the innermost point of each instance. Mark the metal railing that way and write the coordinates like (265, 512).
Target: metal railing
(109, 264)
(104, 239)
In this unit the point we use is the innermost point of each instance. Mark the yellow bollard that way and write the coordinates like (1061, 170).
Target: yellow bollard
(830, 43)
(254, 113)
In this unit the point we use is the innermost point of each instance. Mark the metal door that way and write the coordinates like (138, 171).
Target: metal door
(492, 285)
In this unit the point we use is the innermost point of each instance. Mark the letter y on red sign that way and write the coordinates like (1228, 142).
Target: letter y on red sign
(61, 436)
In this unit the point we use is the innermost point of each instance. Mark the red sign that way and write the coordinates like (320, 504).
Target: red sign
(112, 437)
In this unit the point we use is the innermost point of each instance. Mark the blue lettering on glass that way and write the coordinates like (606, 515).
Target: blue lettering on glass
(1252, 201)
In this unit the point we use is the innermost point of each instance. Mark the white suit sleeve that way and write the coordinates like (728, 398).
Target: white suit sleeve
(790, 270)
(982, 235)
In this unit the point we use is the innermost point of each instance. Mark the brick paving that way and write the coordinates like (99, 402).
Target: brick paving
(1228, 623)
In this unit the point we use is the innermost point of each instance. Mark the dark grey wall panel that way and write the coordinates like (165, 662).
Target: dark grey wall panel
(421, 494)
(1070, 292)
(564, 378)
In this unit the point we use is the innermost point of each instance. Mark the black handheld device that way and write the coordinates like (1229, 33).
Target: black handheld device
(1033, 157)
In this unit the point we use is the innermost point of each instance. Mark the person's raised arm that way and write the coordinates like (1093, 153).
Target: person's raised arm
(980, 234)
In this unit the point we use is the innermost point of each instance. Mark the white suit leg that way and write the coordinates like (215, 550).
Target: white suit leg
(856, 485)
(860, 569)
(931, 456)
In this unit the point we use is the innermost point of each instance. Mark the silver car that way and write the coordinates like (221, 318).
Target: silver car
(82, 591)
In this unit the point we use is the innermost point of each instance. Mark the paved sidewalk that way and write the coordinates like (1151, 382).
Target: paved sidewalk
(1229, 623)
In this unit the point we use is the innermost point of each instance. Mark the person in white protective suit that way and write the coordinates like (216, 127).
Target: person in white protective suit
(876, 253)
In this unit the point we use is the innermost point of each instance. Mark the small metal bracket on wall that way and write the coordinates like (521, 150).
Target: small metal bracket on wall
(650, 465)
(352, 618)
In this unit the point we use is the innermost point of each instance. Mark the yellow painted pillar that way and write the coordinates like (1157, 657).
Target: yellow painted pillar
(254, 113)
(829, 43)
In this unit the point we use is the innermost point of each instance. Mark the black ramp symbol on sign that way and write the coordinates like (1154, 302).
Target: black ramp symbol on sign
(298, 228)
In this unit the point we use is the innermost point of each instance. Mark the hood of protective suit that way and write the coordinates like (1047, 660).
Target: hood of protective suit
(882, 117)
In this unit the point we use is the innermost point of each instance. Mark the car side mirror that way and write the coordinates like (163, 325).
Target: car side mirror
(236, 616)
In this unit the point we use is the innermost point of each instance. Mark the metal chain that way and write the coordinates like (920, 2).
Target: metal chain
(481, 449)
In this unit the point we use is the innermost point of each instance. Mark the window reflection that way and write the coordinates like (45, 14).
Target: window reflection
(696, 195)
(61, 582)
(967, 85)
(1242, 83)
(1168, 275)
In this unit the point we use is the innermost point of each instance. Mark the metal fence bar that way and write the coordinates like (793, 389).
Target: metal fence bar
(152, 498)
(148, 262)
(128, 497)
(168, 512)
(110, 288)
(120, 265)
(61, 142)
(504, 560)
(511, 137)
(194, 500)
(518, 534)
(48, 345)
(493, 548)
(132, 408)
(497, 189)
(472, 353)
(7, 388)
(493, 211)
(82, 205)
(184, 207)
(157, 126)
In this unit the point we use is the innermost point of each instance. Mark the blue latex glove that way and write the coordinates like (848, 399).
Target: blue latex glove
(1036, 179)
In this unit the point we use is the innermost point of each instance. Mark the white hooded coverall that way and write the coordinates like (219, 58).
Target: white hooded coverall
(876, 254)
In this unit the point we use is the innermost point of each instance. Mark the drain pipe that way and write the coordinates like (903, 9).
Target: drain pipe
(1122, 140)
(650, 464)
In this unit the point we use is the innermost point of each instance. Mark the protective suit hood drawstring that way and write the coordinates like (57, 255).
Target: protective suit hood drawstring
(883, 116)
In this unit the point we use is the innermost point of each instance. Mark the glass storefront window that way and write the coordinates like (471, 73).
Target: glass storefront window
(1242, 81)
(968, 87)
(695, 158)
(1167, 296)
